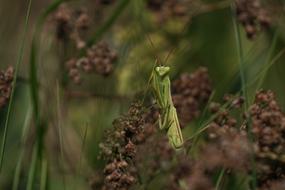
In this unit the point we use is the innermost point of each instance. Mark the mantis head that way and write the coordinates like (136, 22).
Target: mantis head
(162, 71)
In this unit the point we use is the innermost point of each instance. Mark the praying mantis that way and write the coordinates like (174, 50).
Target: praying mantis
(168, 119)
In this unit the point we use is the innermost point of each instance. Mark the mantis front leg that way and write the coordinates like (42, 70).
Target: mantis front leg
(165, 121)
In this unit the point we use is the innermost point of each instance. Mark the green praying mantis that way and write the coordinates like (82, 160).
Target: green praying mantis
(168, 119)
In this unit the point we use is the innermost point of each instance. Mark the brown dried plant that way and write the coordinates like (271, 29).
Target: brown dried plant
(100, 59)
(6, 79)
(253, 16)
(189, 93)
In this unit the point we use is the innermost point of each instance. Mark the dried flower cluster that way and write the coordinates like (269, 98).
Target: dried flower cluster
(267, 123)
(189, 92)
(100, 58)
(229, 148)
(226, 147)
(268, 128)
(127, 144)
(252, 16)
(276, 185)
(70, 24)
(188, 174)
(222, 114)
(161, 158)
(120, 148)
(6, 79)
(160, 154)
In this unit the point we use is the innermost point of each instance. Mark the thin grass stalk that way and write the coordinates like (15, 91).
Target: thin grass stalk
(81, 156)
(270, 53)
(240, 57)
(206, 123)
(44, 174)
(110, 21)
(18, 169)
(17, 174)
(34, 82)
(33, 167)
(220, 178)
(244, 90)
(34, 89)
(52, 7)
(60, 134)
(37, 120)
(196, 138)
(259, 76)
(34, 86)
(262, 74)
(19, 61)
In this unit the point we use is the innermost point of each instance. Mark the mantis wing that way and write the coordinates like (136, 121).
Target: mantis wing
(174, 132)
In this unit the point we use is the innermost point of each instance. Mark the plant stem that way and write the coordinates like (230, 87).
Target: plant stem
(19, 61)
(44, 174)
(110, 21)
(33, 167)
(240, 57)
(220, 178)
(17, 174)
(60, 135)
(81, 155)
(244, 90)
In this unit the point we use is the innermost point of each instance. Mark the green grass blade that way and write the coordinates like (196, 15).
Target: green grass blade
(17, 174)
(220, 178)
(34, 81)
(60, 135)
(206, 107)
(35, 106)
(270, 53)
(19, 61)
(44, 174)
(110, 21)
(37, 152)
(205, 124)
(262, 74)
(52, 7)
(202, 118)
(244, 88)
(33, 167)
(81, 155)
(34, 89)
(240, 56)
